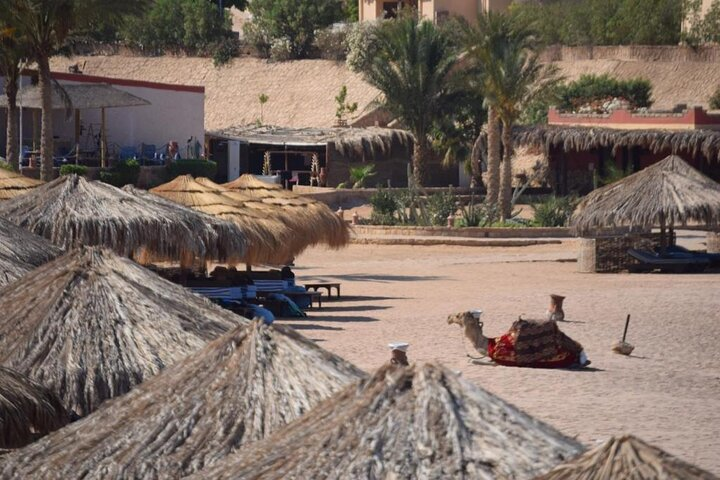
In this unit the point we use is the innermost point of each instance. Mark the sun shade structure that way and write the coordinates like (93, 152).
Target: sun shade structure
(317, 223)
(71, 211)
(27, 410)
(21, 251)
(627, 458)
(421, 421)
(13, 184)
(668, 193)
(268, 239)
(91, 325)
(238, 389)
(81, 97)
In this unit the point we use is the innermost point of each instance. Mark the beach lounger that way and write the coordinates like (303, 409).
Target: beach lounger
(326, 285)
(649, 261)
(713, 258)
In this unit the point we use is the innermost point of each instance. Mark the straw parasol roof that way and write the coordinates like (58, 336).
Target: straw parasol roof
(669, 192)
(71, 211)
(422, 421)
(27, 410)
(238, 389)
(268, 238)
(628, 458)
(81, 97)
(319, 223)
(91, 325)
(21, 251)
(13, 184)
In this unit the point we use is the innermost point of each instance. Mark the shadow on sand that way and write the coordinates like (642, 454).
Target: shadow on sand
(311, 326)
(384, 278)
(351, 308)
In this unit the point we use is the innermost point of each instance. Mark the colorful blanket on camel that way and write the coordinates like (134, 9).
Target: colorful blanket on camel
(535, 343)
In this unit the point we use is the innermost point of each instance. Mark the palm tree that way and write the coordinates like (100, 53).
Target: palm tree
(44, 26)
(414, 69)
(12, 53)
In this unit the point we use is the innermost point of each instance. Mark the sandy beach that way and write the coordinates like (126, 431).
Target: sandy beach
(667, 392)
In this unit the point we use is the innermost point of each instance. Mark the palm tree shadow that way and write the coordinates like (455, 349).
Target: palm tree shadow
(311, 326)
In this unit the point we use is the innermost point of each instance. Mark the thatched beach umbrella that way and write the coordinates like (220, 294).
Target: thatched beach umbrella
(71, 211)
(316, 222)
(91, 325)
(21, 251)
(421, 421)
(13, 184)
(27, 410)
(627, 458)
(238, 389)
(668, 193)
(267, 238)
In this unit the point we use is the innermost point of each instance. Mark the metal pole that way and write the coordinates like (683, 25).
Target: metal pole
(20, 149)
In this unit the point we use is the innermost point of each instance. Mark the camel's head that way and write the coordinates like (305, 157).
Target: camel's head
(464, 319)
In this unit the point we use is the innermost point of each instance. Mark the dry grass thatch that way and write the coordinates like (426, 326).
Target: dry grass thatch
(91, 325)
(238, 389)
(405, 423)
(27, 410)
(21, 251)
(669, 192)
(71, 211)
(317, 223)
(268, 238)
(13, 184)
(81, 97)
(677, 142)
(627, 458)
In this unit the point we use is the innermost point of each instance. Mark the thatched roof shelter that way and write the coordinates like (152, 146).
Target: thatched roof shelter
(71, 211)
(268, 238)
(91, 325)
(81, 97)
(421, 421)
(318, 224)
(669, 192)
(27, 410)
(13, 184)
(627, 458)
(21, 251)
(240, 388)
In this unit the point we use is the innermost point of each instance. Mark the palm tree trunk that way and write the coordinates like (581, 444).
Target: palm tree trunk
(11, 147)
(493, 171)
(506, 183)
(46, 130)
(421, 154)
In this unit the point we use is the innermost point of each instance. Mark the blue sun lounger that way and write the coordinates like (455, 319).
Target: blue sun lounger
(669, 263)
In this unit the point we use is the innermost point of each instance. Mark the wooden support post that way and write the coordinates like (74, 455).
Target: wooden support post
(77, 136)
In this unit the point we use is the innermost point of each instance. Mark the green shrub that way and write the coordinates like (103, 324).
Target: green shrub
(331, 43)
(360, 175)
(124, 173)
(196, 167)
(440, 206)
(592, 90)
(224, 51)
(384, 205)
(554, 211)
(73, 169)
(6, 166)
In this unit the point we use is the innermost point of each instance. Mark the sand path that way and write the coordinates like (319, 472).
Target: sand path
(668, 392)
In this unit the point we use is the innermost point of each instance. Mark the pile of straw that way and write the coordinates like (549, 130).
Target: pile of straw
(27, 410)
(405, 423)
(21, 251)
(91, 325)
(13, 184)
(238, 389)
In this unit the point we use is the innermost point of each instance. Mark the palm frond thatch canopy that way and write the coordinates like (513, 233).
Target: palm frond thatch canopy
(71, 211)
(669, 192)
(320, 224)
(91, 325)
(13, 184)
(238, 389)
(81, 97)
(405, 422)
(21, 251)
(27, 410)
(268, 239)
(629, 458)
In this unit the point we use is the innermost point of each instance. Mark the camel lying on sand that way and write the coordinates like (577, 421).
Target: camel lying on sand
(528, 343)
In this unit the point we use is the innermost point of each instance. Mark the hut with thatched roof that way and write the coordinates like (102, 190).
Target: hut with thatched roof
(90, 325)
(13, 184)
(291, 150)
(21, 251)
(27, 410)
(421, 421)
(315, 223)
(71, 211)
(239, 389)
(629, 458)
